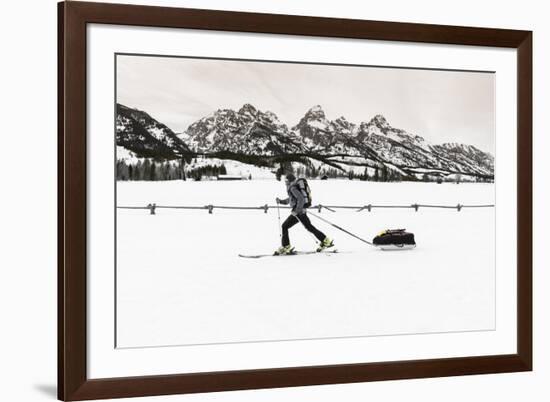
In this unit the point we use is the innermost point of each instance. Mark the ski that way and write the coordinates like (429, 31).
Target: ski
(288, 255)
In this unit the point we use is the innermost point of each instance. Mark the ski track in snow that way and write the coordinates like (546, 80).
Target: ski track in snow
(180, 280)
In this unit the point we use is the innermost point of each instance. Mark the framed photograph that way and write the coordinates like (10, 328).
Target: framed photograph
(253, 200)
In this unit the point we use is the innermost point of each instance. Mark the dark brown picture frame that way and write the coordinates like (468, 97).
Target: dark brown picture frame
(73, 383)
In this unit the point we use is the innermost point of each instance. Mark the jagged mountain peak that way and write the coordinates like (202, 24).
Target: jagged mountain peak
(467, 155)
(342, 121)
(134, 113)
(139, 132)
(342, 125)
(223, 119)
(221, 112)
(380, 121)
(316, 108)
(246, 131)
(252, 133)
(313, 125)
(322, 136)
(315, 112)
(248, 108)
(457, 147)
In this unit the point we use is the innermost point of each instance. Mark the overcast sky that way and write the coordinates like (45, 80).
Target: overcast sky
(441, 106)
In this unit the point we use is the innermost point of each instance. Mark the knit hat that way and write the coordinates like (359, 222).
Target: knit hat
(290, 177)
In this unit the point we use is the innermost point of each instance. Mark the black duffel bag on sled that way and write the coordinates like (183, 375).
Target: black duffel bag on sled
(394, 239)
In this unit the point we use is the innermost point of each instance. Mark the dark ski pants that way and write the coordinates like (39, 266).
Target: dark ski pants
(293, 220)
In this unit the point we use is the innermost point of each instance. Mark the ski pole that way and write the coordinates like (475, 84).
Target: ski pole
(342, 229)
(279, 217)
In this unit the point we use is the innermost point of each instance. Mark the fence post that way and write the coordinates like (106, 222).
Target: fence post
(367, 207)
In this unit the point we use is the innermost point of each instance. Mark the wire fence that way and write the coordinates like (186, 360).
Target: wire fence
(319, 207)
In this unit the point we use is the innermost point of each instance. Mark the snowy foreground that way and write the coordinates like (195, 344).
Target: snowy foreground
(180, 280)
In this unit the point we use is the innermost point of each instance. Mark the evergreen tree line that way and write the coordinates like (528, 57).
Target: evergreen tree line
(382, 173)
(377, 173)
(151, 170)
(206, 171)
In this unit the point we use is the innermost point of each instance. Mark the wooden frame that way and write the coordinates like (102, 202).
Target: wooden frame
(73, 383)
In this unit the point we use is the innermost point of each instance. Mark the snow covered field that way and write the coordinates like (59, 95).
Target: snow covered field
(180, 280)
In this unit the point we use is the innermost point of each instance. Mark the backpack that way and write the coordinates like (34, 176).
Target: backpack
(397, 238)
(304, 188)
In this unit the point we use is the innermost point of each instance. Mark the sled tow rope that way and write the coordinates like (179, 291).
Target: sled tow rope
(340, 228)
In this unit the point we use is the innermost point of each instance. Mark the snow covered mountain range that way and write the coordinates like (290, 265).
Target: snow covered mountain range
(260, 138)
(145, 137)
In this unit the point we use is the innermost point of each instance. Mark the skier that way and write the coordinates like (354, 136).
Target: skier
(299, 199)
